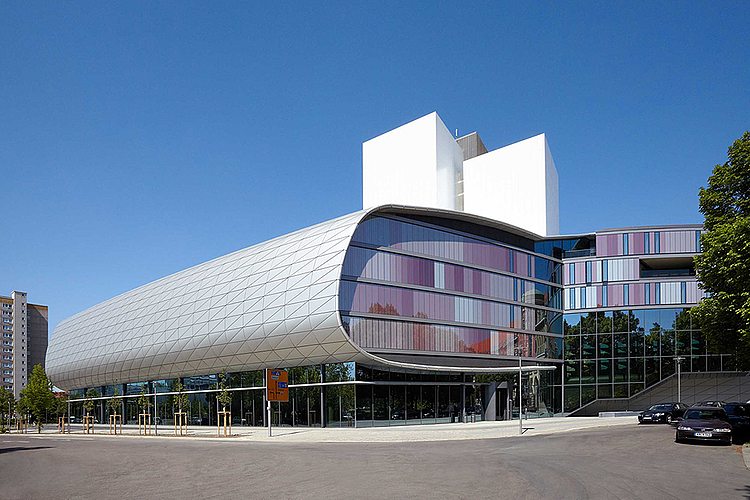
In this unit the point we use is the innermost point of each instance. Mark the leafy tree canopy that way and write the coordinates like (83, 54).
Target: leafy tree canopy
(724, 266)
(37, 396)
(7, 402)
(114, 403)
(61, 404)
(224, 397)
(143, 402)
(181, 400)
(88, 404)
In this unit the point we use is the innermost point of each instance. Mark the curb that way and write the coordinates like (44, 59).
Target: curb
(393, 437)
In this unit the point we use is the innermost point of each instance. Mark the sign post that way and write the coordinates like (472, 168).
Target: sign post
(277, 389)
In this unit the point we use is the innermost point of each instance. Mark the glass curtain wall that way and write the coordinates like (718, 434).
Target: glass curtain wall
(335, 395)
(410, 286)
(617, 354)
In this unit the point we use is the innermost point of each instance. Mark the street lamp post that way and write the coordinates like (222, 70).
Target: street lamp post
(679, 360)
(520, 399)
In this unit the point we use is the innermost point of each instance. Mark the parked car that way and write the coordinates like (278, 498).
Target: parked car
(739, 417)
(704, 423)
(662, 413)
(717, 404)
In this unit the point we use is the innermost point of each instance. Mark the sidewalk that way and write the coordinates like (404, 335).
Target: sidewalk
(412, 433)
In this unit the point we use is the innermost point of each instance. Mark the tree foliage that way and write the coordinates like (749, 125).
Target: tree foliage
(724, 266)
(88, 404)
(37, 396)
(144, 403)
(114, 403)
(181, 400)
(61, 404)
(7, 402)
(224, 397)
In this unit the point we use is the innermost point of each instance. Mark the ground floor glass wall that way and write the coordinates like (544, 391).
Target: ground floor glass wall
(617, 354)
(334, 395)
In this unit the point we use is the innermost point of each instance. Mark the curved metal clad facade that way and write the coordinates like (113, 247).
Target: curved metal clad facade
(277, 304)
(270, 305)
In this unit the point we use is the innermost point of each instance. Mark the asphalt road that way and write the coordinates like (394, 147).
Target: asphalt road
(618, 462)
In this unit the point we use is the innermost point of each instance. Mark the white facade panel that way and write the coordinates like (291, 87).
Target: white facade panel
(516, 184)
(671, 293)
(622, 269)
(450, 161)
(415, 164)
(552, 194)
(591, 296)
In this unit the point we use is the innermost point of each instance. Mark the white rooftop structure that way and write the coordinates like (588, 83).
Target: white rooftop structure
(422, 164)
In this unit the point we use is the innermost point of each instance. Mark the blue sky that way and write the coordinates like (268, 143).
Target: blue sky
(140, 138)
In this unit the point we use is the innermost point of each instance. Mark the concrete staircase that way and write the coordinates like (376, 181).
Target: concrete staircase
(705, 386)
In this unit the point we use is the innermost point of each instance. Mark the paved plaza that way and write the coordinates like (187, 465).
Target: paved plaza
(599, 462)
(401, 433)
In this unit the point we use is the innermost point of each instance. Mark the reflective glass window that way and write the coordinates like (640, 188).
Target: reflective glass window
(604, 391)
(588, 371)
(620, 370)
(604, 371)
(620, 345)
(572, 324)
(419, 239)
(572, 398)
(588, 394)
(588, 346)
(604, 344)
(652, 370)
(636, 369)
(619, 321)
(572, 373)
(620, 391)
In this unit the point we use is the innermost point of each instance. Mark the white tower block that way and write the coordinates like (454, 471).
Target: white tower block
(516, 184)
(416, 164)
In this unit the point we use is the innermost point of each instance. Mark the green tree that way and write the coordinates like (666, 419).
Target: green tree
(88, 404)
(114, 403)
(7, 402)
(61, 404)
(724, 266)
(144, 403)
(22, 407)
(37, 396)
(224, 397)
(181, 400)
(7, 406)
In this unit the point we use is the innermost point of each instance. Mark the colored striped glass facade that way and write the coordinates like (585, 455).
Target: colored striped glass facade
(627, 299)
(403, 289)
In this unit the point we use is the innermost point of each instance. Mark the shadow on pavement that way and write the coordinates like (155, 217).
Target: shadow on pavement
(22, 448)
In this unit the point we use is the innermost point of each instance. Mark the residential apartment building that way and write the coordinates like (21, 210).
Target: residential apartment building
(24, 336)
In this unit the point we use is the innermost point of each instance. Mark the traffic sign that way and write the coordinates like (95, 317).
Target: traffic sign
(277, 385)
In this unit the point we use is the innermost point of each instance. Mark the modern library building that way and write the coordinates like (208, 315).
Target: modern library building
(423, 307)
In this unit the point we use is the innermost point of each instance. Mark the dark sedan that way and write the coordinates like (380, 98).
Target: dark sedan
(717, 404)
(739, 418)
(706, 423)
(662, 413)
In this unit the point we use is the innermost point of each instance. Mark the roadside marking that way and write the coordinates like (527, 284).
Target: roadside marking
(15, 441)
